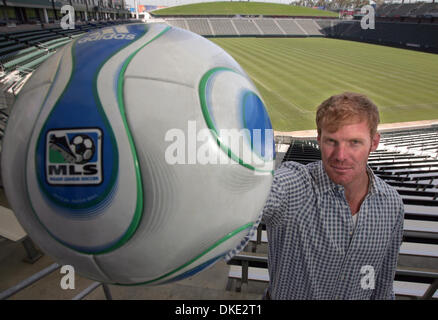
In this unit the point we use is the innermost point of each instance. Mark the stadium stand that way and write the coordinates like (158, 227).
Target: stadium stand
(414, 140)
(262, 27)
(326, 26)
(415, 10)
(223, 27)
(199, 26)
(291, 27)
(410, 283)
(421, 9)
(268, 26)
(402, 34)
(31, 47)
(385, 9)
(404, 10)
(25, 50)
(310, 26)
(246, 27)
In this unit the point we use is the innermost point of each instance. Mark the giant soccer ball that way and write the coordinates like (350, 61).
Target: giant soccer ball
(117, 157)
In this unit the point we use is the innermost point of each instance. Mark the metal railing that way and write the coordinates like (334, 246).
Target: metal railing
(45, 272)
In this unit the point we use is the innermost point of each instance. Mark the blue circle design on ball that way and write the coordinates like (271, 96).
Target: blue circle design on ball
(258, 123)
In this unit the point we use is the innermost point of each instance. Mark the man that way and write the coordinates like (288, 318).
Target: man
(334, 228)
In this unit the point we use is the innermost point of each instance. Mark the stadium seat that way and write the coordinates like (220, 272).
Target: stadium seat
(291, 27)
(200, 26)
(243, 269)
(268, 27)
(246, 27)
(223, 26)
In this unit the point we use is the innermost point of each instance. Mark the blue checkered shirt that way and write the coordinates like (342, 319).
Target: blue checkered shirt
(314, 250)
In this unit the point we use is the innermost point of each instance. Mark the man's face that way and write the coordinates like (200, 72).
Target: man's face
(345, 152)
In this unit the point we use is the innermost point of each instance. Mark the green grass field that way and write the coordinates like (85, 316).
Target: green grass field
(246, 8)
(294, 75)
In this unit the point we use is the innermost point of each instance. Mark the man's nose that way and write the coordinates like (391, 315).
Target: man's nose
(340, 152)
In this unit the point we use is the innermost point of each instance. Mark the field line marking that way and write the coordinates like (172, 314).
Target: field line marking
(280, 96)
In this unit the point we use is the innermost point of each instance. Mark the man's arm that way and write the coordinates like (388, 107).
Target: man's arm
(275, 204)
(272, 212)
(289, 190)
(384, 288)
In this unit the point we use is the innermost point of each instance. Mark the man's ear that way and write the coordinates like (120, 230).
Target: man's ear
(375, 142)
(318, 139)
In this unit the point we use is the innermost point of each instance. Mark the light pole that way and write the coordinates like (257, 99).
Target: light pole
(136, 9)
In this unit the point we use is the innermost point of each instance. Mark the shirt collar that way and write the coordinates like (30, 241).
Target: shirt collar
(325, 183)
